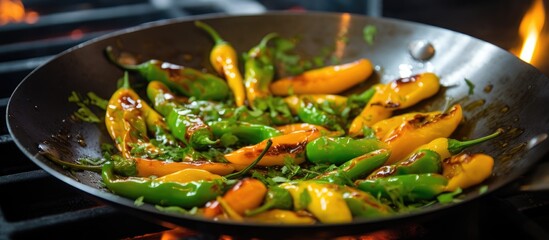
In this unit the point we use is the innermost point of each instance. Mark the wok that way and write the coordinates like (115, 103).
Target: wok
(508, 93)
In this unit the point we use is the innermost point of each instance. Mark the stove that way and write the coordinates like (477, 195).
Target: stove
(34, 204)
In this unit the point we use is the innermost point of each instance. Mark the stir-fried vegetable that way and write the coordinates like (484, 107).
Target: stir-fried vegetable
(283, 149)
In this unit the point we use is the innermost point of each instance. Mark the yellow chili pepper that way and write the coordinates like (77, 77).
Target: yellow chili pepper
(225, 61)
(324, 200)
(383, 127)
(188, 175)
(127, 118)
(398, 94)
(294, 101)
(420, 130)
(289, 145)
(150, 167)
(326, 80)
(464, 170)
(280, 216)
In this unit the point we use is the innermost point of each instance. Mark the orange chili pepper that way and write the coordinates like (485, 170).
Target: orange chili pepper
(285, 129)
(289, 145)
(150, 167)
(326, 80)
(398, 94)
(422, 129)
(247, 194)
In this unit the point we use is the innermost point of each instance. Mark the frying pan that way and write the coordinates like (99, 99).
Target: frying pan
(508, 93)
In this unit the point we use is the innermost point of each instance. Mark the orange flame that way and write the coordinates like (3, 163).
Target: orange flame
(14, 11)
(530, 29)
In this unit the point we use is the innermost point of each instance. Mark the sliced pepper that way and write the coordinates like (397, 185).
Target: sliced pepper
(225, 61)
(398, 94)
(326, 80)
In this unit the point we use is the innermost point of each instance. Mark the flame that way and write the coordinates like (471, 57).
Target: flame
(14, 11)
(530, 29)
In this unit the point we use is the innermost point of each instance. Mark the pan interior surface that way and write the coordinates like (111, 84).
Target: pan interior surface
(508, 94)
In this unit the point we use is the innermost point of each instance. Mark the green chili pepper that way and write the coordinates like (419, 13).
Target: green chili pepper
(356, 167)
(308, 112)
(421, 161)
(410, 187)
(183, 124)
(189, 128)
(276, 198)
(187, 81)
(185, 195)
(259, 71)
(340, 149)
(363, 204)
(247, 133)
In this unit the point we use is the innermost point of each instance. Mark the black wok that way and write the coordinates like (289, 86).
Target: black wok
(509, 94)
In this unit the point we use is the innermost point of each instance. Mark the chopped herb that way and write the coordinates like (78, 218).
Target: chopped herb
(448, 197)
(176, 209)
(471, 86)
(98, 101)
(369, 33)
(304, 199)
(83, 113)
(483, 189)
(139, 201)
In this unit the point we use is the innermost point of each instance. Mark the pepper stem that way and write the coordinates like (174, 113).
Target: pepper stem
(267, 206)
(71, 165)
(455, 146)
(266, 39)
(112, 58)
(125, 80)
(255, 162)
(217, 39)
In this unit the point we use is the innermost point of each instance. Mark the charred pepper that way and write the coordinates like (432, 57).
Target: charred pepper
(276, 198)
(291, 145)
(338, 150)
(363, 204)
(356, 168)
(326, 80)
(398, 94)
(420, 130)
(225, 61)
(183, 124)
(184, 80)
(324, 200)
(466, 170)
(259, 71)
(420, 161)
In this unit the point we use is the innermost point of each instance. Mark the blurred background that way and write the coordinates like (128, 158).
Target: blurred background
(34, 31)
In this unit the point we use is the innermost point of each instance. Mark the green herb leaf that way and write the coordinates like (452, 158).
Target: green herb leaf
(139, 201)
(448, 197)
(98, 101)
(304, 199)
(471, 86)
(483, 189)
(369, 33)
(176, 209)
